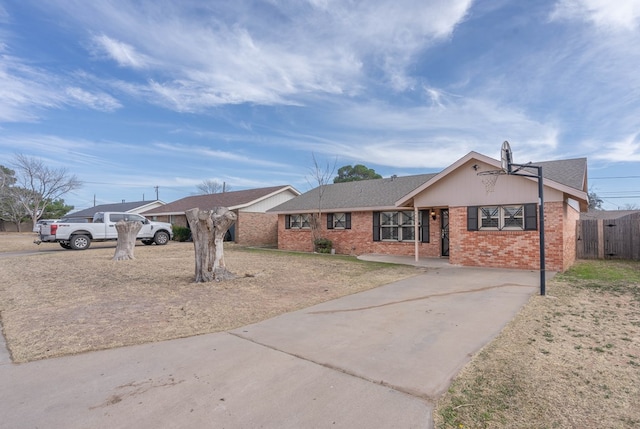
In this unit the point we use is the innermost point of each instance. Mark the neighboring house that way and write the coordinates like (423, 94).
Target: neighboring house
(253, 227)
(131, 207)
(609, 214)
(450, 214)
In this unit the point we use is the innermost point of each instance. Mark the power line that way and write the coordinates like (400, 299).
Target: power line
(614, 177)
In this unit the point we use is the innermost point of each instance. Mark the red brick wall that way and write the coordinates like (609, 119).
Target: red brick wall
(257, 229)
(510, 249)
(499, 249)
(251, 229)
(355, 241)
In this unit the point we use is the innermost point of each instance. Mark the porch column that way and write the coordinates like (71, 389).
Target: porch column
(416, 232)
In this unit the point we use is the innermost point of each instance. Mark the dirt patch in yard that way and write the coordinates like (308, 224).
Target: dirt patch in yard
(60, 302)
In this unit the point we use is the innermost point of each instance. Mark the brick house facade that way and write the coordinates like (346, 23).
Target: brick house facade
(445, 202)
(354, 241)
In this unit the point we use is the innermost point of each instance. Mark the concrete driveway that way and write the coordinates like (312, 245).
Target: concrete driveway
(374, 359)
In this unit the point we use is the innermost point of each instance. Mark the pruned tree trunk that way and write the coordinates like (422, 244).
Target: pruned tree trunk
(127, 233)
(208, 228)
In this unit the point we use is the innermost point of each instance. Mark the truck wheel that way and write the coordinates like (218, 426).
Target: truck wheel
(161, 238)
(80, 242)
(65, 245)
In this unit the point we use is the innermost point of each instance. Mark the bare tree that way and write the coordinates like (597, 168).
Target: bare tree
(11, 208)
(43, 184)
(208, 228)
(210, 186)
(320, 176)
(127, 233)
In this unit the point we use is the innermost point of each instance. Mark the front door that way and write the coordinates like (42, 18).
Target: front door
(444, 232)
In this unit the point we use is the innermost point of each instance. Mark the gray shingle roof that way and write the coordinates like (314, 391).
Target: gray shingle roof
(116, 207)
(353, 195)
(384, 193)
(569, 172)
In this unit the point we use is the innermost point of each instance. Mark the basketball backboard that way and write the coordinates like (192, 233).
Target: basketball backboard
(506, 157)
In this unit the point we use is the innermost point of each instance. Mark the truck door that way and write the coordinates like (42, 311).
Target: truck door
(110, 225)
(147, 229)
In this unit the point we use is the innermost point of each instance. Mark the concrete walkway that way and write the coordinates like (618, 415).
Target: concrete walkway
(374, 359)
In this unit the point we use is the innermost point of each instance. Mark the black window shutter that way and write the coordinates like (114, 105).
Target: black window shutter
(347, 219)
(424, 226)
(472, 218)
(530, 217)
(329, 220)
(376, 226)
(287, 221)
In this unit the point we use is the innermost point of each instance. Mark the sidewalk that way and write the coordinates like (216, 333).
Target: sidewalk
(379, 358)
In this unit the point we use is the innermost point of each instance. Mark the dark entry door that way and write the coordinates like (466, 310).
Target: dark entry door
(444, 232)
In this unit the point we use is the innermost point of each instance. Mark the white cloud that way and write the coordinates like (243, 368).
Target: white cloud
(431, 136)
(278, 52)
(26, 90)
(625, 150)
(96, 100)
(605, 14)
(125, 55)
(207, 152)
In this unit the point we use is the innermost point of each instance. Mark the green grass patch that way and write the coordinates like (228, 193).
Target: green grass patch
(605, 271)
(615, 277)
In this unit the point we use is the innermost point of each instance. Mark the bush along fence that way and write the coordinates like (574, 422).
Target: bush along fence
(609, 238)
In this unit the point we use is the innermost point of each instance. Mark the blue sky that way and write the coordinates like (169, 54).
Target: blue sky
(133, 95)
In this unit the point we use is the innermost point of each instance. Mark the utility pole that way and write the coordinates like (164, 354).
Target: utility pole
(156, 188)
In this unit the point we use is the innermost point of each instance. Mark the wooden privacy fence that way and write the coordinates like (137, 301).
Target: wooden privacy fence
(608, 238)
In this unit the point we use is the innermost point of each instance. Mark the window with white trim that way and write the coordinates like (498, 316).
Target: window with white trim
(338, 220)
(400, 226)
(298, 221)
(517, 217)
(397, 226)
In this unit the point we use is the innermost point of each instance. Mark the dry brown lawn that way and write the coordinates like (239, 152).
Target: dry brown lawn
(568, 360)
(59, 302)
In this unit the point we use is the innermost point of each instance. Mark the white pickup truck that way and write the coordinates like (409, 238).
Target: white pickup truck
(78, 236)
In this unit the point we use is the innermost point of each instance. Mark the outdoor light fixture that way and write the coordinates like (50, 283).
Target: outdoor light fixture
(433, 214)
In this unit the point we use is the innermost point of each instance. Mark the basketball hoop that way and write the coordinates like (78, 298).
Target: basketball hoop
(490, 178)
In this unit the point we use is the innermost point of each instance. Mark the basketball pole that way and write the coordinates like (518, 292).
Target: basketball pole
(543, 281)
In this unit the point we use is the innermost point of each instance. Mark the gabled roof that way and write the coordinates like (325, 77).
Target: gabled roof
(359, 195)
(567, 175)
(569, 172)
(115, 207)
(232, 200)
